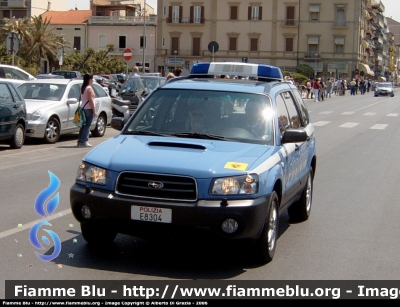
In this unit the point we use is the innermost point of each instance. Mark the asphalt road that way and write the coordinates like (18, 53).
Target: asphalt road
(352, 233)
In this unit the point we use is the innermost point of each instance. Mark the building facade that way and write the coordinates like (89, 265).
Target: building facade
(345, 39)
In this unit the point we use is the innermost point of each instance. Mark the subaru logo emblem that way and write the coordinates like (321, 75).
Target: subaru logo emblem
(156, 185)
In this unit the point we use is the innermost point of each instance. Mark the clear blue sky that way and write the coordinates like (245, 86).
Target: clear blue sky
(85, 5)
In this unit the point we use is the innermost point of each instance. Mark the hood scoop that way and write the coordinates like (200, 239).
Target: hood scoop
(177, 145)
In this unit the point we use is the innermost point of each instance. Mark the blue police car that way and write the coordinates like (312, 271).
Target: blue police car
(204, 155)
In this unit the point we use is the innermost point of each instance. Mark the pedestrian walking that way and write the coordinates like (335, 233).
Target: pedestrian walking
(353, 87)
(316, 87)
(87, 103)
(308, 85)
(329, 86)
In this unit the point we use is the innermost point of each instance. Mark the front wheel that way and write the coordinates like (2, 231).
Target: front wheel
(264, 247)
(18, 137)
(100, 128)
(52, 132)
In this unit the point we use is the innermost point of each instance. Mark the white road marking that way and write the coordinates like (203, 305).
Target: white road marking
(369, 114)
(349, 125)
(393, 114)
(347, 113)
(30, 224)
(379, 126)
(320, 123)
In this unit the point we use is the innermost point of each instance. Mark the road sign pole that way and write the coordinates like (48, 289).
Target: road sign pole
(213, 53)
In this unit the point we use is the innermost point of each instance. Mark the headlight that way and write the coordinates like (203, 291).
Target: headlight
(35, 115)
(239, 185)
(90, 173)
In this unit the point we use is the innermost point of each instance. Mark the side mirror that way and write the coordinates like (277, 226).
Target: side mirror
(294, 136)
(117, 123)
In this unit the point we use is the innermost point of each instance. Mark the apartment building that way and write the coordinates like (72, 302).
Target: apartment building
(124, 24)
(346, 38)
(28, 8)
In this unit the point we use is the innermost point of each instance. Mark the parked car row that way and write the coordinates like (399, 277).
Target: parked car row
(45, 108)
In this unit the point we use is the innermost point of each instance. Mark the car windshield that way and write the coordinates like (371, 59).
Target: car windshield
(206, 115)
(152, 83)
(384, 84)
(132, 85)
(43, 91)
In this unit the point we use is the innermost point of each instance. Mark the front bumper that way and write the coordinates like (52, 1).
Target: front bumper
(203, 218)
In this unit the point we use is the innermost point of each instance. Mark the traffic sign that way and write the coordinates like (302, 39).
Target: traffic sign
(127, 54)
(213, 46)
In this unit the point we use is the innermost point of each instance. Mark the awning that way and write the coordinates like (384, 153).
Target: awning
(365, 68)
(314, 40)
(382, 78)
(372, 73)
(314, 8)
(339, 40)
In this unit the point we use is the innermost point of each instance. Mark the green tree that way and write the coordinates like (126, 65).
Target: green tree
(305, 70)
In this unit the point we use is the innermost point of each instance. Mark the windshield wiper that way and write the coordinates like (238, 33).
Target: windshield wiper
(144, 132)
(199, 136)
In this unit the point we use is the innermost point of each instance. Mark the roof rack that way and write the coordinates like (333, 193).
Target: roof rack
(261, 72)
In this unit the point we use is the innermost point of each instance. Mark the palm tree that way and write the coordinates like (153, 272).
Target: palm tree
(42, 42)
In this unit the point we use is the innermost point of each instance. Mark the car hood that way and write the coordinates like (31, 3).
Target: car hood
(179, 156)
(33, 105)
(386, 88)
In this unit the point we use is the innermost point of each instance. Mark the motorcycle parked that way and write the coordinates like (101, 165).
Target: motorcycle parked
(120, 108)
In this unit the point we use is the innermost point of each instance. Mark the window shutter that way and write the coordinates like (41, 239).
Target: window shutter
(233, 12)
(254, 44)
(260, 13)
(289, 44)
(169, 14)
(290, 12)
(249, 13)
(202, 14)
(180, 13)
(191, 14)
(232, 43)
(196, 46)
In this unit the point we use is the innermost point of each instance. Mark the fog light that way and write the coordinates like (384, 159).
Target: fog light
(86, 212)
(229, 226)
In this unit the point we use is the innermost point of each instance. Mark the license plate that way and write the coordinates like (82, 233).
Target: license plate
(151, 214)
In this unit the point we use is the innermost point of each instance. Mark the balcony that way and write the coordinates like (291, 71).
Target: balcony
(312, 55)
(121, 20)
(339, 24)
(14, 3)
(290, 23)
(185, 21)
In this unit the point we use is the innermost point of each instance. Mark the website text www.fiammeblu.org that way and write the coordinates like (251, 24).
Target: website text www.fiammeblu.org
(203, 289)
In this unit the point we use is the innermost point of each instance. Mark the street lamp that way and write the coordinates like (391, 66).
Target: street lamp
(144, 37)
(175, 52)
(315, 65)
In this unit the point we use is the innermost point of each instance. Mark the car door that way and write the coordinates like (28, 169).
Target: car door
(290, 151)
(102, 101)
(11, 109)
(73, 92)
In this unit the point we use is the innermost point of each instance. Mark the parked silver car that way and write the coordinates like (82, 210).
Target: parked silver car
(14, 74)
(51, 104)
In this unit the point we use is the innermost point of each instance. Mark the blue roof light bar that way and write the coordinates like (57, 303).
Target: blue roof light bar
(237, 69)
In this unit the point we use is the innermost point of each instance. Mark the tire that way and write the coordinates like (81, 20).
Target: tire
(100, 128)
(301, 209)
(264, 247)
(18, 137)
(52, 132)
(97, 234)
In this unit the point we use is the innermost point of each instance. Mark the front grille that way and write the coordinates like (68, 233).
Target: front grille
(174, 187)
